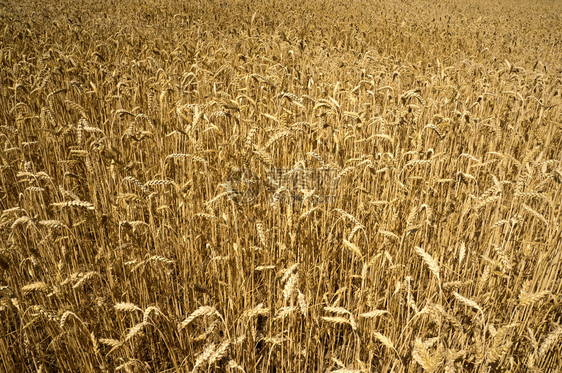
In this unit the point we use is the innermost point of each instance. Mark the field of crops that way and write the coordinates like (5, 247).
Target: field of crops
(280, 186)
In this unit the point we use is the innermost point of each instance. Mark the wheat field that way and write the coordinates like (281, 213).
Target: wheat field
(281, 186)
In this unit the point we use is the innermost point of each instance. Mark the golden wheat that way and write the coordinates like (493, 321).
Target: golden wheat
(263, 186)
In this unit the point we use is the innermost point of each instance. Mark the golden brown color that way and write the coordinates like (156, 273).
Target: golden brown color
(135, 136)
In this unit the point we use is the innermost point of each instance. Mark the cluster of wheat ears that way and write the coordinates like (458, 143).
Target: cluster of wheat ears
(132, 132)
